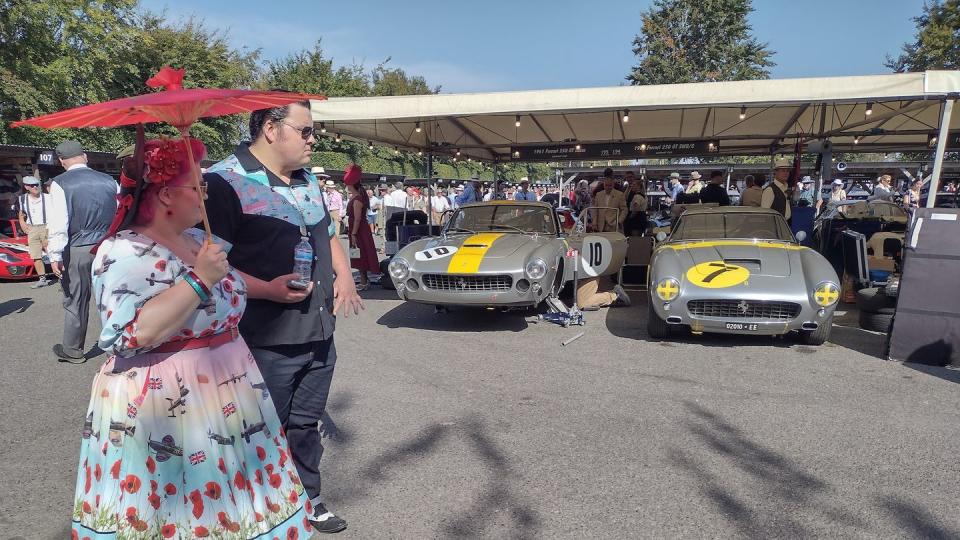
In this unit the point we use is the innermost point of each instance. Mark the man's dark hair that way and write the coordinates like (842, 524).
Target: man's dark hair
(608, 173)
(258, 119)
(715, 174)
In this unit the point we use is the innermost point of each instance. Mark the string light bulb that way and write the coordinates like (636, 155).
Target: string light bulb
(856, 140)
(626, 116)
(458, 152)
(396, 151)
(517, 122)
(743, 112)
(418, 128)
(323, 127)
(369, 145)
(338, 137)
(869, 109)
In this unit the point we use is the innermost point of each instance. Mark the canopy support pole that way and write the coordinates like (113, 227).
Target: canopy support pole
(430, 189)
(941, 148)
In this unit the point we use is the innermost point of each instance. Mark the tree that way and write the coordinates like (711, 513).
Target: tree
(56, 54)
(937, 41)
(697, 41)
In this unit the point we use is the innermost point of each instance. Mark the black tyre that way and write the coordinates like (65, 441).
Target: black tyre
(818, 336)
(657, 328)
(385, 281)
(873, 299)
(876, 322)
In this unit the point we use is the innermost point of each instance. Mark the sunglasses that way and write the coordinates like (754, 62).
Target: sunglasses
(305, 132)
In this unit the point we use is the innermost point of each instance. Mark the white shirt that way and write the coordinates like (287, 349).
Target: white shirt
(398, 199)
(439, 204)
(35, 205)
(58, 218)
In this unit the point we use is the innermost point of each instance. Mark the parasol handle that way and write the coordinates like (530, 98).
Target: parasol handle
(195, 173)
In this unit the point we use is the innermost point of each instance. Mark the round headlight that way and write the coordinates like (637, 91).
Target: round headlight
(668, 289)
(826, 294)
(399, 268)
(536, 269)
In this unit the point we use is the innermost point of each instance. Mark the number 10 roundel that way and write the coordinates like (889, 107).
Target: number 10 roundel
(433, 254)
(595, 255)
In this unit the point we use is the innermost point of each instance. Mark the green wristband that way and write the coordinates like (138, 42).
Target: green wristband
(196, 287)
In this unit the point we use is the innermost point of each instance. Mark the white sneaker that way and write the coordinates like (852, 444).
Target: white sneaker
(622, 295)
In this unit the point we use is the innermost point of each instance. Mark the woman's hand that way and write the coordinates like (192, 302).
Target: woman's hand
(211, 264)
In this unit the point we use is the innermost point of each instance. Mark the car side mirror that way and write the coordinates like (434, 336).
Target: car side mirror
(801, 236)
(661, 236)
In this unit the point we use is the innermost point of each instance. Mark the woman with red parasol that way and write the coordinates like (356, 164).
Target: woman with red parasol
(180, 439)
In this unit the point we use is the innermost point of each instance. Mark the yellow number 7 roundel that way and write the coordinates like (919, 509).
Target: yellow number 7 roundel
(717, 275)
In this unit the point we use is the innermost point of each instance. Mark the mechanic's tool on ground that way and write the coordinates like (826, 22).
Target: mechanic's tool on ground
(571, 340)
(558, 312)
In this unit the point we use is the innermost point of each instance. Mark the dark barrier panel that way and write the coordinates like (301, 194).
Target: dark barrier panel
(926, 327)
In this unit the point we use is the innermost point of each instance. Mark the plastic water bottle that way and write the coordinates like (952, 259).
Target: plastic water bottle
(303, 259)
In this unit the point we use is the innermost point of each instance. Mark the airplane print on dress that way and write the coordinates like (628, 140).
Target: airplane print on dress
(184, 444)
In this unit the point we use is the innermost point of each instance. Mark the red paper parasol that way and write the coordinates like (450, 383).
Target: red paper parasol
(175, 105)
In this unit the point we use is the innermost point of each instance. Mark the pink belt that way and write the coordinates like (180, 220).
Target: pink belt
(199, 343)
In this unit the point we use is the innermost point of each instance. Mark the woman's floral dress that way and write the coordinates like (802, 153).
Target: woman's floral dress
(184, 444)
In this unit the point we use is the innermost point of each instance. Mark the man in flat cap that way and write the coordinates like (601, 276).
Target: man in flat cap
(775, 195)
(83, 203)
(34, 209)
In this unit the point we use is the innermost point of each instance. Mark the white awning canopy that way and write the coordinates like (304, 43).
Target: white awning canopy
(905, 111)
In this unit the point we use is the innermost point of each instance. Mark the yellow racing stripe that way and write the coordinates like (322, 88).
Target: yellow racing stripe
(467, 259)
(714, 243)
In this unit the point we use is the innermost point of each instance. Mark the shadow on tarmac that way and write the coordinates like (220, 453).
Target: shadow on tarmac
(783, 484)
(423, 317)
(914, 520)
(18, 305)
(947, 374)
(495, 493)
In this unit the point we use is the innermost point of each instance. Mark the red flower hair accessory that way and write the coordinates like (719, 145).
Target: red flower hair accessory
(164, 160)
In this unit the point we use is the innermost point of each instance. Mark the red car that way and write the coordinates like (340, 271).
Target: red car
(15, 262)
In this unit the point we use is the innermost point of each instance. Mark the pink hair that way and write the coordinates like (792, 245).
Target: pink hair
(149, 200)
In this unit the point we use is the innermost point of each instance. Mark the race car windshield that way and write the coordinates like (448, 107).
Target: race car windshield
(503, 218)
(729, 225)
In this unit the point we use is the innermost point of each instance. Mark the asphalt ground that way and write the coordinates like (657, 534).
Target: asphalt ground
(480, 424)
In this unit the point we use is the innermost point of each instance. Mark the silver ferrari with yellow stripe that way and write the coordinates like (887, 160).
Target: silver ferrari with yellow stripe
(502, 254)
(739, 270)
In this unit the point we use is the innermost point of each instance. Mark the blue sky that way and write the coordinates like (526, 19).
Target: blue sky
(521, 45)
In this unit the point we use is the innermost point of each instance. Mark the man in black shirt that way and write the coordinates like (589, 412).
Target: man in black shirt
(714, 192)
(264, 202)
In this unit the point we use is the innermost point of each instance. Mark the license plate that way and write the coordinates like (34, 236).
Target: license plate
(743, 327)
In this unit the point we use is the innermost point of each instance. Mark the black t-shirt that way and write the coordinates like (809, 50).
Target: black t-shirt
(263, 246)
(714, 193)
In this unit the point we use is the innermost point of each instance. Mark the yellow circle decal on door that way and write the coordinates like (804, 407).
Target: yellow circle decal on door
(717, 275)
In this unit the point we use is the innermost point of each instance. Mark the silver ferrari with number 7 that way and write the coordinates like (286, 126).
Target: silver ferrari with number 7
(739, 270)
(501, 254)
